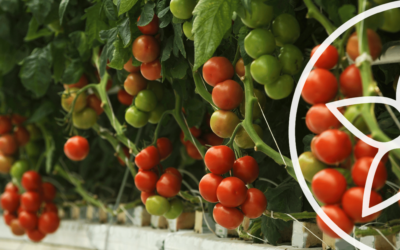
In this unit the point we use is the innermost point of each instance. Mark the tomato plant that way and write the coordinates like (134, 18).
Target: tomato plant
(157, 205)
(223, 123)
(182, 9)
(135, 83)
(266, 69)
(151, 28)
(332, 146)
(329, 185)
(374, 43)
(261, 15)
(350, 82)
(219, 159)
(48, 223)
(319, 119)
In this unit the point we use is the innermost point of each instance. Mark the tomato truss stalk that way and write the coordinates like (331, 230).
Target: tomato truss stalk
(313, 12)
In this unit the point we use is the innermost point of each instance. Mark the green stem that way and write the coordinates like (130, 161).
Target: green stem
(313, 12)
(193, 199)
(157, 131)
(232, 139)
(202, 90)
(285, 217)
(371, 231)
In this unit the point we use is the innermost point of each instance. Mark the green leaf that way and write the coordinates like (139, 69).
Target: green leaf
(163, 12)
(125, 6)
(107, 54)
(178, 41)
(167, 49)
(73, 72)
(58, 62)
(147, 14)
(63, 7)
(212, 20)
(44, 110)
(124, 31)
(195, 110)
(94, 24)
(166, 20)
(4, 27)
(307, 142)
(346, 12)
(50, 147)
(286, 198)
(9, 5)
(247, 5)
(79, 40)
(242, 34)
(7, 57)
(120, 55)
(40, 9)
(34, 33)
(110, 10)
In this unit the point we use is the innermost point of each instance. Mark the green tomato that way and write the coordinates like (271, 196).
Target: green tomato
(261, 14)
(286, 29)
(223, 123)
(32, 149)
(353, 114)
(182, 9)
(280, 89)
(310, 165)
(34, 132)
(392, 20)
(291, 59)
(84, 119)
(259, 42)
(157, 88)
(243, 140)
(187, 30)
(146, 100)
(19, 168)
(175, 210)
(262, 99)
(155, 114)
(135, 117)
(266, 69)
(68, 97)
(157, 205)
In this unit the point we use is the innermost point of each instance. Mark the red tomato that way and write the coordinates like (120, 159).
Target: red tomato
(360, 172)
(319, 119)
(21, 135)
(228, 217)
(80, 84)
(9, 201)
(320, 87)
(362, 149)
(239, 68)
(95, 103)
(8, 217)
(151, 28)
(135, 83)
(151, 70)
(49, 191)
(374, 42)
(217, 69)
(49, 223)
(5, 125)
(192, 151)
(255, 203)
(16, 228)
(196, 132)
(164, 147)
(50, 207)
(145, 49)
(31, 181)
(328, 59)
(10, 187)
(168, 185)
(213, 139)
(8, 144)
(246, 169)
(27, 220)
(208, 187)
(130, 68)
(350, 82)
(31, 201)
(35, 235)
(148, 158)
(328, 186)
(124, 97)
(145, 195)
(76, 148)
(146, 181)
(126, 152)
(231, 192)
(219, 159)
(332, 146)
(174, 171)
(352, 204)
(17, 119)
(227, 95)
(339, 217)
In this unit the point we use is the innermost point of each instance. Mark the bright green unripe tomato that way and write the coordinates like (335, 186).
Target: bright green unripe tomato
(286, 29)
(84, 119)
(391, 20)
(310, 165)
(135, 117)
(280, 89)
(259, 42)
(243, 140)
(182, 9)
(352, 114)
(19, 168)
(262, 99)
(187, 30)
(223, 123)
(146, 100)
(261, 14)
(291, 59)
(175, 210)
(157, 205)
(155, 114)
(68, 97)
(157, 88)
(266, 69)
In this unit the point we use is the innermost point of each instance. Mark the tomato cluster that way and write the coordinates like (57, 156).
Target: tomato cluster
(234, 199)
(33, 211)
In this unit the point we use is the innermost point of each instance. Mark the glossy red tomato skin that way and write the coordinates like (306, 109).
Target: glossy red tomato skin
(328, 59)
(31, 201)
(352, 204)
(350, 82)
(164, 147)
(360, 172)
(192, 151)
(362, 149)
(168, 185)
(328, 186)
(10, 187)
(48, 223)
(227, 95)
(219, 159)
(130, 68)
(228, 217)
(216, 70)
(35, 235)
(146, 181)
(320, 87)
(151, 28)
(27, 220)
(255, 203)
(145, 49)
(374, 42)
(16, 228)
(151, 70)
(246, 169)
(319, 119)
(135, 83)
(95, 103)
(332, 146)
(49, 191)
(174, 171)
(8, 144)
(148, 158)
(5, 125)
(10, 201)
(124, 98)
(77, 148)
(80, 84)
(50, 207)
(31, 181)
(213, 139)
(208, 187)
(339, 217)
(231, 192)
(145, 195)
(8, 217)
